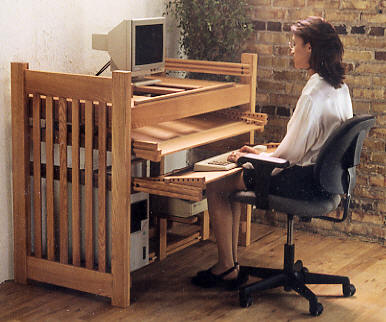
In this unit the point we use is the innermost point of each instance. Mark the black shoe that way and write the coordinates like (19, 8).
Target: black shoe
(207, 279)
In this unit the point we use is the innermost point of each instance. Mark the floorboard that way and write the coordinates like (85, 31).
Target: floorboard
(162, 291)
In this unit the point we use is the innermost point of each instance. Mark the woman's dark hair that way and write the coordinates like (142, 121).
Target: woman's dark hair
(327, 49)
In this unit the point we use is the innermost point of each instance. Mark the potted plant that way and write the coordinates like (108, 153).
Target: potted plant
(211, 29)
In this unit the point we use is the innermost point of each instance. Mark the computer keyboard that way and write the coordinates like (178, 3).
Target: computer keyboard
(219, 162)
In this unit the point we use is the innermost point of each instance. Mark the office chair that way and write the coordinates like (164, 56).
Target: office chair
(335, 172)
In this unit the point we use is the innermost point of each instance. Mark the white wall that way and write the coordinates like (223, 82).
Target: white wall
(53, 36)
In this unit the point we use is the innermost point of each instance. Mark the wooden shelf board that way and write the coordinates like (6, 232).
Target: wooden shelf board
(187, 83)
(150, 112)
(153, 142)
(184, 92)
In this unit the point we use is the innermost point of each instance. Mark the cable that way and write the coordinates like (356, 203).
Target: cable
(103, 68)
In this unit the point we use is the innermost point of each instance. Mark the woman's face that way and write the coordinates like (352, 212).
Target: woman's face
(301, 52)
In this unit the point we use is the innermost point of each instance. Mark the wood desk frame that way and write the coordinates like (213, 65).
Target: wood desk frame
(94, 113)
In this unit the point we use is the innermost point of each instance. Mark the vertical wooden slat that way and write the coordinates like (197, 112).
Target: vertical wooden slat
(89, 132)
(37, 200)
(20, 170)
(121, 181)
(102, 135)
(75, 184)
(63, 202)
(50, 178)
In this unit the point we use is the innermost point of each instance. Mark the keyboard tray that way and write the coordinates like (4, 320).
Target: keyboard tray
(185, 183)
(188, 185)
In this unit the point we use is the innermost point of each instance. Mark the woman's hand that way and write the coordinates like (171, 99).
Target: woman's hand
(249, 149)
(235, 155)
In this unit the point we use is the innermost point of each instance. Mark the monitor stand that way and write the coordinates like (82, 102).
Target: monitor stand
(143, 81)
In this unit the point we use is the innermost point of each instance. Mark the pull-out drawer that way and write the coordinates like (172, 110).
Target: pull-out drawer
(189, 185)
(154, 142)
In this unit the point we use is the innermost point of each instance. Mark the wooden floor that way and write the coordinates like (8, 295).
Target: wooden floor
(162, 291)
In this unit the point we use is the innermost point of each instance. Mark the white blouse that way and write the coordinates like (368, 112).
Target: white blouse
(320, 109)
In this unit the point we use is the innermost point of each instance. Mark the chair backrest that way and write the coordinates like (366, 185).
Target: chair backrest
(340, 154)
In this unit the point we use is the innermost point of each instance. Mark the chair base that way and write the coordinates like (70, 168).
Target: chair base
(293, 277)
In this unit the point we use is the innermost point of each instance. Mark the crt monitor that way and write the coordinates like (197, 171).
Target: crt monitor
(136, 45)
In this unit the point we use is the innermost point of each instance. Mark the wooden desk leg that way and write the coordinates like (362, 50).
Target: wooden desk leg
(120, 186)
(204, 221)
(162, 231)
(20, 175)
(246, 211)
(245, 225)
(156, 169)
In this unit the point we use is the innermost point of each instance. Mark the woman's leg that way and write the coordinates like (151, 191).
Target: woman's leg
(236, 210)
(225, 223)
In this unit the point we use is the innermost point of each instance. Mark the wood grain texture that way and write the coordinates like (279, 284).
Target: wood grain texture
(148, 113)
(193, 139)
(37, 187)
(246, 211)
(121, 174)
(102, 141)
(75, 182)
(63, 201)
(163, 291)
(251, 79)
(20, 170)
(88, 215)
(66, 93)
(162, 238)
(70, 276)
(69, 85)
(208, 67)
(50, 178)
(186, 93)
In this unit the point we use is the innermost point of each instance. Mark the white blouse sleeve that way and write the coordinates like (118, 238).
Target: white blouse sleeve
(301, 132)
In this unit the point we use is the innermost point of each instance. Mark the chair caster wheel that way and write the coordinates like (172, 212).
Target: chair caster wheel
(348, 290)
(316, 309)
(298, 266)
(245, 300)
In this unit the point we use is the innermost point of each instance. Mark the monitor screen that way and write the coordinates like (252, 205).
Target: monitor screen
(149, 44)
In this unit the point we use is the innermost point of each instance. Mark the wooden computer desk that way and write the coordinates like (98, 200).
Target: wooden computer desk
(72, 112)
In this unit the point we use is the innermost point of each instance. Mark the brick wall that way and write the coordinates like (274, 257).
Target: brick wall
(361, 25)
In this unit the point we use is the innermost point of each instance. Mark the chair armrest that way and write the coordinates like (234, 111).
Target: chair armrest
(263, 160)
(263, 166)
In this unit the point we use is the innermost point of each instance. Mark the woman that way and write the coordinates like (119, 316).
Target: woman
(323, 105)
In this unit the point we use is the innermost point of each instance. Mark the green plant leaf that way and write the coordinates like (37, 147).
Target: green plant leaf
(211, 29)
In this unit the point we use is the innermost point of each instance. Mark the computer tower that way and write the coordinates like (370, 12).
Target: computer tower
(139, 237)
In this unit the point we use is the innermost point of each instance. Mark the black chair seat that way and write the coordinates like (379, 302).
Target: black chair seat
(302, 208)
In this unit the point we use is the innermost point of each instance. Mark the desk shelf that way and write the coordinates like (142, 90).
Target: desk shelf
(154, 142)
